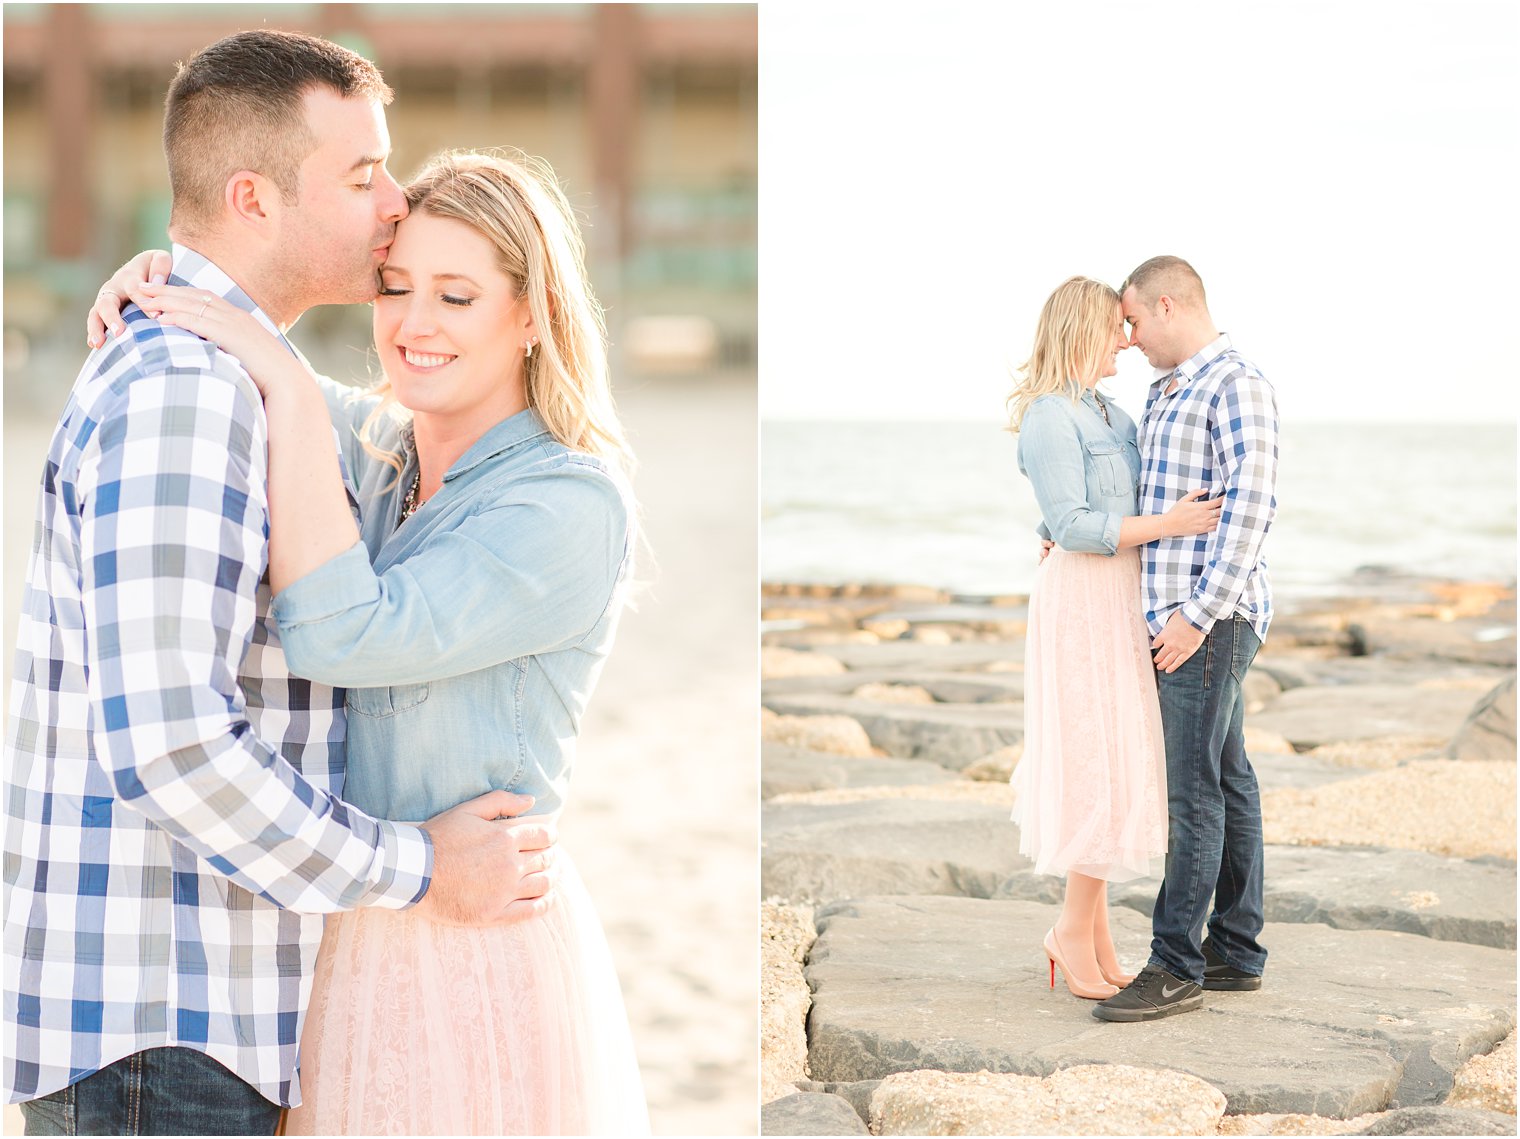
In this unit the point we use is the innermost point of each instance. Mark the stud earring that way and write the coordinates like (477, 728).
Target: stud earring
(528, 346)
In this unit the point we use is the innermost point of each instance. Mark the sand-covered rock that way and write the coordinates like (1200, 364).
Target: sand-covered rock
(1293, 1124)
(837, 735)
(1110, 1099)
(776, 662)
(1446, 807)
(786, 933)
(1487, 1081)
(996, 766)
(1380, 751)
(1260, 741)
(1488, 733)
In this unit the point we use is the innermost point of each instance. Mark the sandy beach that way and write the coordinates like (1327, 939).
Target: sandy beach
(662, 818)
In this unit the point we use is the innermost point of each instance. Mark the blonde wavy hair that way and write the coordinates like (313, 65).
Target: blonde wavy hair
(514, 201)
(1075, 332)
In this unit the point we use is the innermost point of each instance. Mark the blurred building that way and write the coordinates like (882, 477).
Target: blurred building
(647, 113)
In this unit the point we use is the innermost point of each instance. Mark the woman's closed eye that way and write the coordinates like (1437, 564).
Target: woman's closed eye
(447, 298)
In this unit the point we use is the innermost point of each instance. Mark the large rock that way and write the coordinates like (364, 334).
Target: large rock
(1447, 899)
(786, 932)
(1441, 1121)
(1489, 730)
(886, 846)
(917, 656)
(946, 687)
(952, 735)
(777, 662)
(1292, 769)
(1487, 1081)
(836, 735)
(1308, 717)
(789, 769)
(1107, 1099)
(810, 1113)
(1475, 640)
(1348, 1022)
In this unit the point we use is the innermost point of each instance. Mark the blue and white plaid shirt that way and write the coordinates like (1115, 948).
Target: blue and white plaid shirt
(173, 827)
(1217, 429)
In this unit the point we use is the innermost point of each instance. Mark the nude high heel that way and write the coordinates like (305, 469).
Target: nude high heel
(1078, 988)
(1119, 979)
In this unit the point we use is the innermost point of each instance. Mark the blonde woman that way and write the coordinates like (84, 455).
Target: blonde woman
(1091, 786)
(469, 626)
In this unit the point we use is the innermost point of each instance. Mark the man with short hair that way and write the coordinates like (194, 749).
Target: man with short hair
(174, 827)
(1210, 420)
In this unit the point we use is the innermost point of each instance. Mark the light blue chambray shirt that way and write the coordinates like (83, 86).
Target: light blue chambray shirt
(470, 636)
(1085, 473)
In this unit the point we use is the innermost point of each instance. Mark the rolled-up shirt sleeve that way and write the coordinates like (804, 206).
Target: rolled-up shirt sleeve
(1051, 455)
(173, 546)
(531, 572)
(1244, 438)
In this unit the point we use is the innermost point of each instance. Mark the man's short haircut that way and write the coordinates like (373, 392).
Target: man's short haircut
(1169, 276)
(239, 105)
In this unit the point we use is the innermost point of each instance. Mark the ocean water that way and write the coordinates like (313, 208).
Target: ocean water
(943, 504)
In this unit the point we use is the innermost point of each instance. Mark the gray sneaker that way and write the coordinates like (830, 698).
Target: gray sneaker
(1153, 994)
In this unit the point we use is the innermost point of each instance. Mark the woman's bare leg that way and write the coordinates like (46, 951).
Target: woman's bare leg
(1103, 942)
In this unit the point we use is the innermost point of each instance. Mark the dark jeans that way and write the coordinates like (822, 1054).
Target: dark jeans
(163, 1091)
(1214, 838)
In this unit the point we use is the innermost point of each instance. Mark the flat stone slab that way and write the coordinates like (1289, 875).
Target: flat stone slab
(952, 735)
(1274, 771)
(946, 687)
(1308, 717)
(1441, 1121)
(956, 613)
(812, 852)
(1340, 671)
(1348, 1021)
(908, 655)
(810, 1113)
(789, 769)
(1446, 899)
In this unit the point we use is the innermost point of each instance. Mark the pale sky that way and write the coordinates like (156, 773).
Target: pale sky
(1340, 174)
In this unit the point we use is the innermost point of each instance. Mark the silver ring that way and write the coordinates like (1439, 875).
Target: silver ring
(204, 305)
(103, 292)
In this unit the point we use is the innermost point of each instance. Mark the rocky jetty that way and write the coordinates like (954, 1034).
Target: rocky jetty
(903, 964)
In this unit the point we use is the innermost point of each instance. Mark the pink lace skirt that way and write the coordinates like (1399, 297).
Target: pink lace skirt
(1091, 786)
(424, 1029)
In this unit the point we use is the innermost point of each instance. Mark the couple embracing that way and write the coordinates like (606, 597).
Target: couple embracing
(212, 569)
(1146, 613)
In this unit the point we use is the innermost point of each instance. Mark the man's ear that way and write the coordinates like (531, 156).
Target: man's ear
(1165, 306)
(251, 199)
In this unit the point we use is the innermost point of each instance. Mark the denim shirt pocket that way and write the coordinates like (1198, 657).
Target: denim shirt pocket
(1106, 466)
(386, 701)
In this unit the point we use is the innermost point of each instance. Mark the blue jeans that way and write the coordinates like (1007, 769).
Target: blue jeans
(163, 1091)
(1214, 837)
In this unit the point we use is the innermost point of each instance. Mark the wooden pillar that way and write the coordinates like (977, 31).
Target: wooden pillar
(613, 94)
(68, 108)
